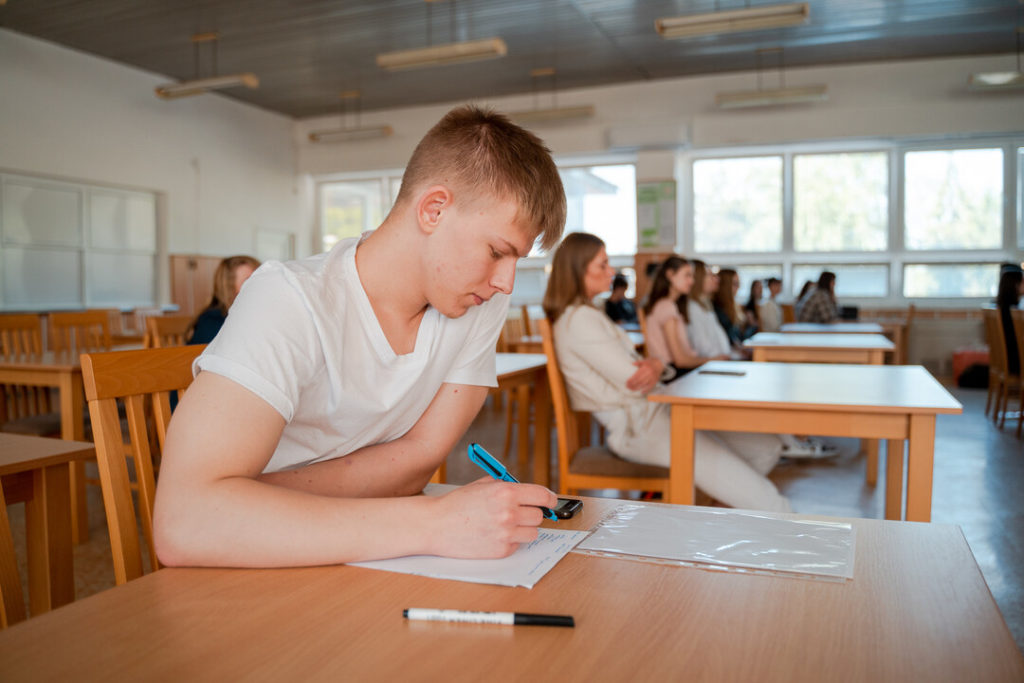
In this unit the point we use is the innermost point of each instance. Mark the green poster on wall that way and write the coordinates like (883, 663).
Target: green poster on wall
(656, 214)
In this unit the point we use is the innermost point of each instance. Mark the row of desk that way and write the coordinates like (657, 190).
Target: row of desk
(917, 609)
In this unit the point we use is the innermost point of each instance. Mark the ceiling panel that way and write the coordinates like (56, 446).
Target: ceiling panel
(305, 52)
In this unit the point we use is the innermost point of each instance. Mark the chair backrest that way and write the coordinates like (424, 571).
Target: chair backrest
(80, 332)
(1018, 329)
(995, 339)
(512, 331)
(167, 330)
(788, 313)
(566, 420)
(603, 470)
(21, 334)
(132, 376)
(21, 337)
(12, 604)
(641, 318)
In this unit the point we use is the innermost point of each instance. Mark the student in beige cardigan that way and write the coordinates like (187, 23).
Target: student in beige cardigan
(604, 375)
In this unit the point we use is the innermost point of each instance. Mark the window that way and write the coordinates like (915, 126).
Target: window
(602, 200)
(1020, 197)
(840, 202)
(737, 204)
(953, 199)
(69, 245)
(750, 272)
(851, 280)
(349, 208)
(950, 279)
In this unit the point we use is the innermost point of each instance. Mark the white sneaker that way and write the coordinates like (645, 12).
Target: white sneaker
(809, 449)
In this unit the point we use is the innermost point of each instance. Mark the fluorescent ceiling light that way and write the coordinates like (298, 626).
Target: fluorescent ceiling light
(746, 19)
(772, 97)
(351, 134)
(172, 91)
(555, 114)
(440, 55)
(996, 80)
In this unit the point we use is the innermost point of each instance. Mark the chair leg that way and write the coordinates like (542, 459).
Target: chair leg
(988, 396)
(509, 417)
(1004, 400)
(1020, 414)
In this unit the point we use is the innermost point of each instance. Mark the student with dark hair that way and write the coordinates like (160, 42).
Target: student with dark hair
(753, 306)
(731, 316)
(1011, 288)
(617, 306)
(667, 338)
(770, 313)
(819, 305)
(340, 382)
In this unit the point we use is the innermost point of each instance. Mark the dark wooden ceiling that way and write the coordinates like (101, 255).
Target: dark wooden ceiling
(306, 51)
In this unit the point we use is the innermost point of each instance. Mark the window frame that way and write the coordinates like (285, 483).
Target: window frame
(896, 255)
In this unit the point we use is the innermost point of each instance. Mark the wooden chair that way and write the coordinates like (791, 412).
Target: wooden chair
(131, 376)
(80, 332)
(167, 330)
(12, 604)
(590, 467)
(788, 313)
(1000, 381)
(25, 409)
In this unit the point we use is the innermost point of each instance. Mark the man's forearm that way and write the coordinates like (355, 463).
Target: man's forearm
(397, 468)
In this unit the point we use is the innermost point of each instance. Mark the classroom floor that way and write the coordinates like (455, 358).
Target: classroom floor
(979, 474)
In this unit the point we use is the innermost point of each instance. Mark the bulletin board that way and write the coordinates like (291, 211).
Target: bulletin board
(656, 214)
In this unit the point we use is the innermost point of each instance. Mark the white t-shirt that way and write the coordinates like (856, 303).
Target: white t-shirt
(706, 334)
(303, 337)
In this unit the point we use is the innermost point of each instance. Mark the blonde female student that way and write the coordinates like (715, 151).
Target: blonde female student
(604, 375)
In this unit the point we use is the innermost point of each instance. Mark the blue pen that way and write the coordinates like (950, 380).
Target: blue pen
(494, 468)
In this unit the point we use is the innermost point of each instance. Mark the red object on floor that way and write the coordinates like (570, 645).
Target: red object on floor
(965, 358)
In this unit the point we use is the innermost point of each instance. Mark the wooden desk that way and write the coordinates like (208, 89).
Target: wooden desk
(833, 328)
(917, 609)
(893, 402)
(819, 348)
(527, 374)
(63, 371)
(35, 471)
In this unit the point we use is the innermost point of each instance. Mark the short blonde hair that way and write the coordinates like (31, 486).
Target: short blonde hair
(479, 152)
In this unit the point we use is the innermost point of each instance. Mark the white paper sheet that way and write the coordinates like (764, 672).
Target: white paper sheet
(727, 539)
(524, 567)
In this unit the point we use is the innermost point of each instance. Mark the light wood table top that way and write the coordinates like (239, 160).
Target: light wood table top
(917, 609)
(35, 471)
(833, 328)
(893, 402)
(819, 348)
(508, 364)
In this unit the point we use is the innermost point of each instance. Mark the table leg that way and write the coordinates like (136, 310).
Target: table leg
(51, 580)
(871, 451)
(894, 479)
(523, 406)
(541, 429)
(12, 608)
(73, 428)
(920, 465)
(680, 483)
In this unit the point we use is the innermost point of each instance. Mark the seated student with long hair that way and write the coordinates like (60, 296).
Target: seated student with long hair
(730, 314)
(667, 318)
(604, 375)
(1011, 287)
(707, 336)
(228, 279)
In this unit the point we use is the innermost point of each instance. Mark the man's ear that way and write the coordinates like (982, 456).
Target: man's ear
(432, 206)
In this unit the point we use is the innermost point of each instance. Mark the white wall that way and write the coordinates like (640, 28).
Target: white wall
(879, 100)
(222, 168)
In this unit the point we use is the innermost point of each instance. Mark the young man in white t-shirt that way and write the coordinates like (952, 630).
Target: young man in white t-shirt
(339, 383)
